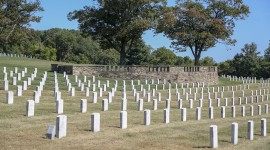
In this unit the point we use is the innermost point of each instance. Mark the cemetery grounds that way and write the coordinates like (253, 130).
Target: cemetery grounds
(20, 132)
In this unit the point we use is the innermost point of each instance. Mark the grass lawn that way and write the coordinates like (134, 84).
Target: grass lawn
(20, 132)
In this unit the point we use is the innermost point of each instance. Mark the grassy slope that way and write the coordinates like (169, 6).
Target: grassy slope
(20, 132)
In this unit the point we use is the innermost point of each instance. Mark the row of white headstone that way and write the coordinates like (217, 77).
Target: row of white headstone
(19, 77)
(234, 132)
(16, 55)
(30, 104)
(60, 129)
(20, 88)
(61, 126)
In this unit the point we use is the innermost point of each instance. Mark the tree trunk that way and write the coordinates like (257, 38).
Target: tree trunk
(197, 60)
(123, 54)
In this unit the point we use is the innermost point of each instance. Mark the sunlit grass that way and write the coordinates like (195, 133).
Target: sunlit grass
(20, 132)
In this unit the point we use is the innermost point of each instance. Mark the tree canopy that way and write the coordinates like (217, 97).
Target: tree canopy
(164, 56)
(200, 24)
(15, 18)
(118, 23)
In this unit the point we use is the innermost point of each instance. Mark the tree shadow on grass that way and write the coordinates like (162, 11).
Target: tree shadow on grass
(114, 126)
(201, 147)
(226, 141)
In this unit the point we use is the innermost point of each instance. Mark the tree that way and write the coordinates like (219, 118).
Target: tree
(108, 57)
(267, 53)
(118, 23)
(200, 24)
(250, 50)
(164, 56)
(71, 46)
(247, 63)
(208, 61)
(225, 68)
(15, 18)
(139, 55)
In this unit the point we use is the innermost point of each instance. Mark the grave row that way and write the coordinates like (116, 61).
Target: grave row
(234, 132)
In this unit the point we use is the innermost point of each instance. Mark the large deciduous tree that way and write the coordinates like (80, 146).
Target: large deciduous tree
(15, 16)
(200, 24)
(118, 23)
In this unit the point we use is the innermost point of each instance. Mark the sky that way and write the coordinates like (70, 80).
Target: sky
(255, 28)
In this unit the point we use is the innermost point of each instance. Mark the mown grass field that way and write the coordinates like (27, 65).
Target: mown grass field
(20, 132)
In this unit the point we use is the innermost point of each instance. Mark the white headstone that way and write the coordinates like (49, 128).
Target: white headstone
(30, 108)
(154, 104)
(223, 111)
(198, 113)
(24, 85)
(233, 112)
(72, 91)
(266, 108)
(140, 105)
(14, 80)
(123, 119)
(10, 97)
(147, 117)
(124, 104)
(100, 92)
(183, 114)
(243, 111)
(168, 103)
(61, 126)
(213, 136)
(95, 122)
(59, 106)
(250, 132)
(211, 113)
(251, 110)
(263, 127)
(234, 133)
(159, 97)
(191, 103)
(94, 97)
(19, 90)
(36, 96)
(259, 109)
(83, 105)
(166, 115)
(87, 91)
(105, 105)
(5, 85)
(180, 105)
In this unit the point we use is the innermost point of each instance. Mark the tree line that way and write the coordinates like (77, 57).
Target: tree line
(110, 32)
(248, 63)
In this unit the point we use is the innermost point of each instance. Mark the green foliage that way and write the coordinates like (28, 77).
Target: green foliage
(139, 56)
(267, 53)
(199, 24)
(15, 18)
(208, 61)
(108, 57)
(118, 23)
(225, 68)
(246, 64)
(71, 46)
(164, 56)
(184, 61)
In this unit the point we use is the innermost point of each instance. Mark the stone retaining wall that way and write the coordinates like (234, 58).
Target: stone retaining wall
(172, 74)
